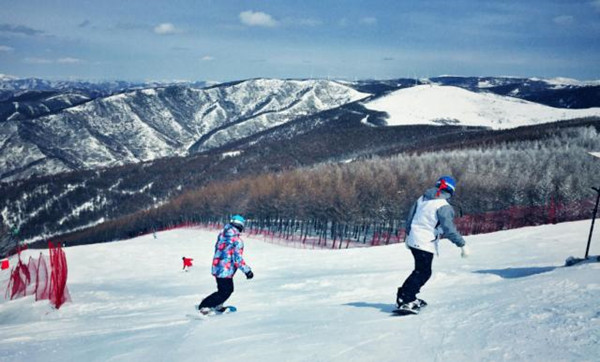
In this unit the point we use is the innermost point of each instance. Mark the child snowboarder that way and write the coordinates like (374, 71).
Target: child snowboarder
(430, 217)
(227, 260)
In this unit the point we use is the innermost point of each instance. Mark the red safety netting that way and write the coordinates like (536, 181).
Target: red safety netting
(59, 294)
(19, 280)
(42, 288)
(37, 279)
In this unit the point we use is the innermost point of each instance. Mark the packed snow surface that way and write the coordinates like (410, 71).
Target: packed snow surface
(448, 105)
(511, 300)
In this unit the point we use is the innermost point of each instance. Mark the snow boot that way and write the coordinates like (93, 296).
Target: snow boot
(206, 311)
(411, 307)
(399, 300)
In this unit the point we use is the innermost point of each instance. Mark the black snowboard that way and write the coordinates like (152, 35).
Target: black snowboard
(403, 312)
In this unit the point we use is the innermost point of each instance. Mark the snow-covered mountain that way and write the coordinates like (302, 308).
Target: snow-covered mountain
(511, 300)
(557, 92)
(55, 126)
(159, 122)
(14, 84)
(449, 105)
(32, 104)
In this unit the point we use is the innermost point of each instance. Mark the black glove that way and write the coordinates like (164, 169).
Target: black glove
(249, 274)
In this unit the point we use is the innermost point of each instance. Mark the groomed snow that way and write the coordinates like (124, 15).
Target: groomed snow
(434, 104)
(512, 300)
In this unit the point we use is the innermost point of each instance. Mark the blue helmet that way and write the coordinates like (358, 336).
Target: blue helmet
(446, 183)
(237, 220)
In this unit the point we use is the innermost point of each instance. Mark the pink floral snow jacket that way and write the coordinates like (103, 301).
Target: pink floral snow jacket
(229, 251)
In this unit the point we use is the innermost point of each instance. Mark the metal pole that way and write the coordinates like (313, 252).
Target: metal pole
(587, 249)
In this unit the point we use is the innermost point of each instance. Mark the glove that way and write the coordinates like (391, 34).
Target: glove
(464, 251)
(249, 274)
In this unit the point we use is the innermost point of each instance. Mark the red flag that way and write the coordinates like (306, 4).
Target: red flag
(4, 264)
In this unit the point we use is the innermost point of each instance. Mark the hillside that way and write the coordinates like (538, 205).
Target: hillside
(50, 206)
(152, 123)
(510, 301)
(140, 149)
(448, 105)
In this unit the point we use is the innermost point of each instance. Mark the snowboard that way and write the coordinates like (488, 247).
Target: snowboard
(226, 310)
(403, 312)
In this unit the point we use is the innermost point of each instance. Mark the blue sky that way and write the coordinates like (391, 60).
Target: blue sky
(222, 40)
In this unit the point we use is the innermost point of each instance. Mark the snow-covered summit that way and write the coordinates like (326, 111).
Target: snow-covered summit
(448, 105)
(567, 82)
(6, 77)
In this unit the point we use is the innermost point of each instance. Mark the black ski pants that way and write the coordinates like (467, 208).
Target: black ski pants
(224, 291)
(419, 276)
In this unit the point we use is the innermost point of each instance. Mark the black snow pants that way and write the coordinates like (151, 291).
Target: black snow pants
(419, 276)
(224, 290)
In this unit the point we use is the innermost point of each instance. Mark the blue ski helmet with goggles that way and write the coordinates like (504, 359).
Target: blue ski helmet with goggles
(238, 221)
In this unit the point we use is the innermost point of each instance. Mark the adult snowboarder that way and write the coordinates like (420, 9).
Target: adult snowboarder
(228, 258)
(430, 217)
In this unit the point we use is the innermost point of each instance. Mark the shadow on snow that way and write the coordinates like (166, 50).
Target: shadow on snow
(386, 308)
(512, 273)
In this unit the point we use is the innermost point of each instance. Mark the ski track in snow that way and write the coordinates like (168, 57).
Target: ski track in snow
(512, 300)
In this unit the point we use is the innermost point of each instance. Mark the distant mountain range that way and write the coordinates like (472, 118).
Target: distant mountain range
(132, 149)
(151, 123)
(11, 85)
(57, 126)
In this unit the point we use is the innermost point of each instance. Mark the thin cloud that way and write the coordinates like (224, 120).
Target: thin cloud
(308, 22)
(68, 60)
(34, 60)
(130, 26)
(6, 49)
(166, 29)
(84, 23)
(257, 18)
(564, 20)
(63, 60)
(207, 58)
(370, 20)
(596, 4)
(19, 29)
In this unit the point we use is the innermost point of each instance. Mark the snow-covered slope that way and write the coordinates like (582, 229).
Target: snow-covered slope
(434, 104)
(510, 301)
(159, 122)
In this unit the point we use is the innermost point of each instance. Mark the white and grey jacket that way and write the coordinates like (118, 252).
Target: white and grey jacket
(430, 218)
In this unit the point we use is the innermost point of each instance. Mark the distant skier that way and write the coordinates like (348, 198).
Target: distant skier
(187, 262)
(227, 260)
(430, 217)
